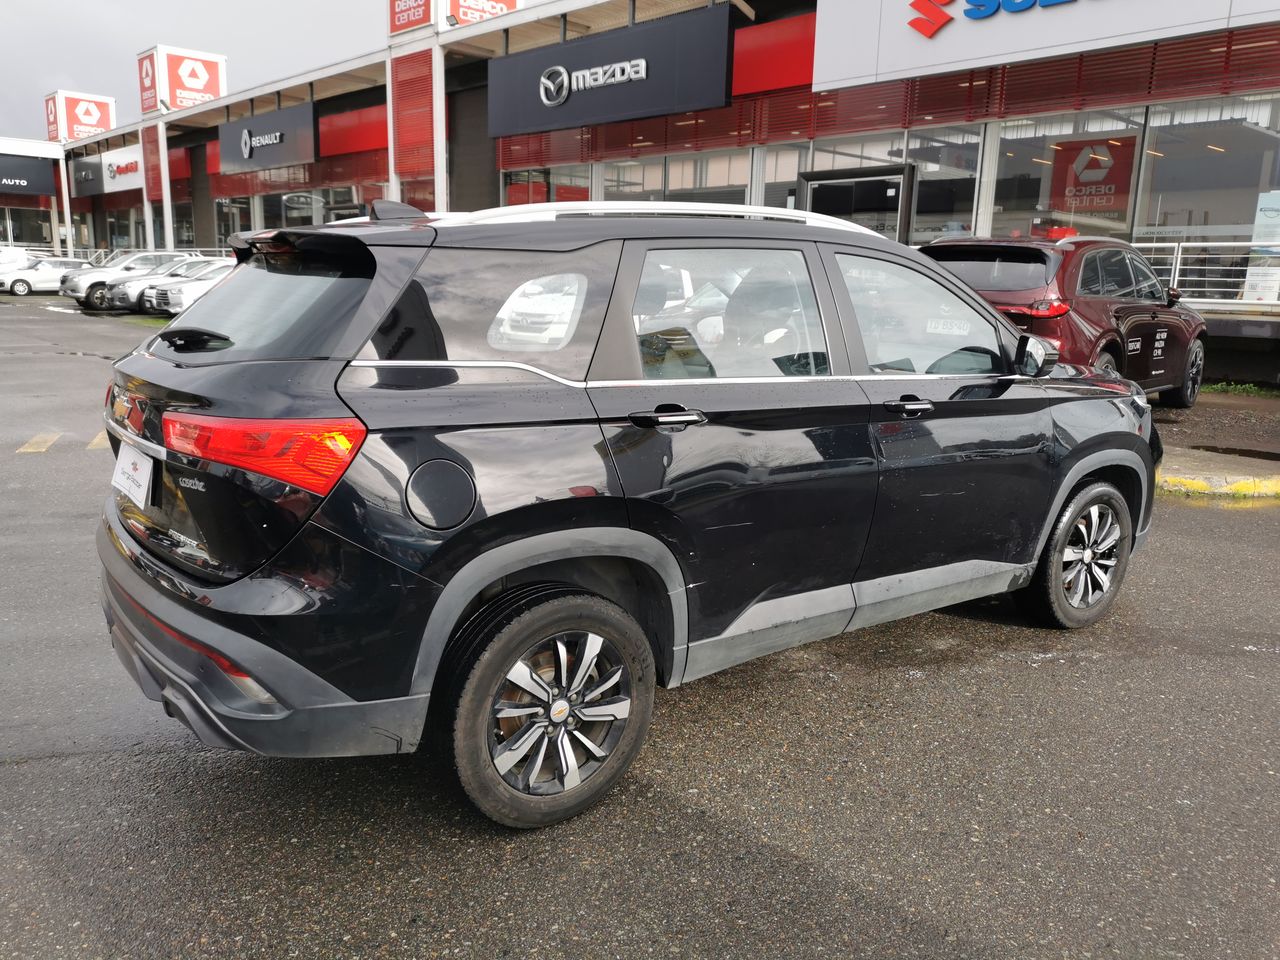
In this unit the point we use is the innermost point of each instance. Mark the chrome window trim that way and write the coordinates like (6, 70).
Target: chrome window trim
(700, 381)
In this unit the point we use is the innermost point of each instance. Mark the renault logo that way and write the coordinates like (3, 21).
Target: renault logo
(246, 144)
(554, 86)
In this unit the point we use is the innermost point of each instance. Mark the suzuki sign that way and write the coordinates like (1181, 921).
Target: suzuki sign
(875, 40)
(73, 116)
(179, 78)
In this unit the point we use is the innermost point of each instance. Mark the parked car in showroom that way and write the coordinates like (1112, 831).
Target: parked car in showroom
(38, 276)
(1096, 299)
(174, 296)
(88, 288)
(127, 294)
(353, 507)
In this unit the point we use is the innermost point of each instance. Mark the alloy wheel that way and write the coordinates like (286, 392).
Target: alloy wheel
(20, 288)
(98, 298)
(1090, 556)
(1195, 372)
(559, 712)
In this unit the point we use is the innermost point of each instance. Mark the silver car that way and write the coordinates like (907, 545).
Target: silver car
(88, 288)
(127, 294)
(37, 276)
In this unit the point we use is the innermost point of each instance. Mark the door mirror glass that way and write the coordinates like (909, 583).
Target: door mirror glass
(1036, 356)
(1174, 296)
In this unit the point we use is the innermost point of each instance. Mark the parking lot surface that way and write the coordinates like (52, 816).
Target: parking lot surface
(957, 784)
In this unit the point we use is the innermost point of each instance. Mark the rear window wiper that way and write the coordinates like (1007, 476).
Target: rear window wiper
(194, 338)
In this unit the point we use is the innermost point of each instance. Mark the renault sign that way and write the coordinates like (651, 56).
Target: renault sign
(281, 138)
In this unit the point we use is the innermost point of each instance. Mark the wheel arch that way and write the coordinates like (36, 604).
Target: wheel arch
(1110, 344)
(1124, 469)
(616, 563)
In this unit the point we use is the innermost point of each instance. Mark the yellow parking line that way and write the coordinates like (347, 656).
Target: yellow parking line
(39, 443)
(99, 442)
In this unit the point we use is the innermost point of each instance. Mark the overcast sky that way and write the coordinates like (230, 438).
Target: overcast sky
(92, 45)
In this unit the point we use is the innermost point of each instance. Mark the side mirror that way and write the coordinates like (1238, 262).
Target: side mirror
(1174, 296)
(1035, 357)
(126, 268)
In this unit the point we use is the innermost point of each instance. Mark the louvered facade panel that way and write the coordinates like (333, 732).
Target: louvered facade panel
(413, 117)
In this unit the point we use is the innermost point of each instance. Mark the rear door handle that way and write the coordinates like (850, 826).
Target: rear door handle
(909, 407)
(668, 416)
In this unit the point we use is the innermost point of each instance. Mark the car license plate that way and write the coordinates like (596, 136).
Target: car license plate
(133, 474)
(948, 327)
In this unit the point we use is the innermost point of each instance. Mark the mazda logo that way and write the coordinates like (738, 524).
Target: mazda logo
(246, 144)
(553, 88)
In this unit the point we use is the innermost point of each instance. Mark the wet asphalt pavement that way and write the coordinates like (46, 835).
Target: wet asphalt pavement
(954, 785)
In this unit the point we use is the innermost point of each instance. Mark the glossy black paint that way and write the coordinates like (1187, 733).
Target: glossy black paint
(785, 486)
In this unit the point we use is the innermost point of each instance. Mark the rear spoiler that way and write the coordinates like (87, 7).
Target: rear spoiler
(245, 245)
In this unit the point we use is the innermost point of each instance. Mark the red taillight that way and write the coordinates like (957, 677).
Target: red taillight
(311, 454)
(1040, 310)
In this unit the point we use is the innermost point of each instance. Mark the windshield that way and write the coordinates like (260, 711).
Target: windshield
(998, 268)
(276, 306)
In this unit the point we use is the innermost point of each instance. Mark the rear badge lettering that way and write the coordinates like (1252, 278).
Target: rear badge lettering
(191, 483)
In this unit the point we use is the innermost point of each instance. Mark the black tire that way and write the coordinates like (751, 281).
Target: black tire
(1107, 363)
(1185, 395)
(540, 786)
(20, 288)
(96, 297)
(1051, 596)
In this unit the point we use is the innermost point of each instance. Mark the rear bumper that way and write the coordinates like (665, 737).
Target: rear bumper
(311, 718)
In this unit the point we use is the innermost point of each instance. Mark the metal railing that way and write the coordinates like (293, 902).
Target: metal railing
(101, 257)
(1214, 275)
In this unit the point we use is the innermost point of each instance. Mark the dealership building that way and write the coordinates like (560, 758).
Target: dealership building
(1141, 119)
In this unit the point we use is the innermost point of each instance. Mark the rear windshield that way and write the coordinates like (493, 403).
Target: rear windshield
(541, 308)
(274, 306)
(998, 268)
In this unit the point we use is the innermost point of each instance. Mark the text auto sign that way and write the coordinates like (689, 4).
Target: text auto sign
(665, 66)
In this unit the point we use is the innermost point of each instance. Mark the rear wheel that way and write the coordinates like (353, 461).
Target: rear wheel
(1186, 395)
(20, 288)
(1107, 364)
(1084, 562)
(553, 710)
(96, 298)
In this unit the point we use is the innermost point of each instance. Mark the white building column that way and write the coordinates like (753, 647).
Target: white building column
(66, 206)
(166, 196)
(439, 130)
(393, 177)
(988, 169)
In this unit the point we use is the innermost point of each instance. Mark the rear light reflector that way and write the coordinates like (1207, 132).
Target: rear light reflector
(1040, 310)
(310, 454)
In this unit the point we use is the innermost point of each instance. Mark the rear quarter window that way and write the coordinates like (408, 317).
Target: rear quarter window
(542, 308)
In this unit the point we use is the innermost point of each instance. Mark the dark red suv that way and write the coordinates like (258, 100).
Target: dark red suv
(1097, 299)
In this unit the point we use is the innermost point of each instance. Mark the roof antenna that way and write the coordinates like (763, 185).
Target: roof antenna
(393, 210)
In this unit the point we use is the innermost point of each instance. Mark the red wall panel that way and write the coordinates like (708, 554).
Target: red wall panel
(151, 162)
(355, 131)
(411, 102)
(773, 56)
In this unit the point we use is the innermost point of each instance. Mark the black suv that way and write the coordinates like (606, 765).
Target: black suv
(494, 477)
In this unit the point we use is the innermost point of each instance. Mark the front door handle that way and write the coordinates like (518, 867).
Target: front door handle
(909, 407)
(668, 416)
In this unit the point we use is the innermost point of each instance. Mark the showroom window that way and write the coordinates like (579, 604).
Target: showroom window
(782, 166)
(634, 179)
(870, 150)
(1068, 174)
(946, 162)
(709, 177)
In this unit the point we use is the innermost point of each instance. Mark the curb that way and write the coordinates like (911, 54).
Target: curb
(1219, 486)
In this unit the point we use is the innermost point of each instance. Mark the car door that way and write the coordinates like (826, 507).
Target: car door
(44, 276)
(1131, 314)
(965, 448)
(1170, 330)
(741, 441)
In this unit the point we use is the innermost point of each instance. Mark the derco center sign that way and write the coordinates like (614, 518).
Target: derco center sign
(277, 139)
(665, 66)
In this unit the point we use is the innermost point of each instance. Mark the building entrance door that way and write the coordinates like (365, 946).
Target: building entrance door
(878, 198)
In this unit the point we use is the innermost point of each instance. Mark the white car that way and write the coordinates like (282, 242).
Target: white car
(128, 294)
(88, 288)
(176, 295)
(38, 276)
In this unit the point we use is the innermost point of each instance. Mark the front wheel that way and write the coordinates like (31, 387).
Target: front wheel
(553, 710)
(20, 288)
(1185, 395)
(96, 298)
(1084, 562)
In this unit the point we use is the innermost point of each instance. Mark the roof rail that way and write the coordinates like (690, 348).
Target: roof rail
(533, 212)
(1069, 240)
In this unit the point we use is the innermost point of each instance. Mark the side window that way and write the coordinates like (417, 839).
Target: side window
(145, 263)
(1117, 278)
(910, 323)
(1091, 277)
(543, 308)
(706, 313)
(1148, 286)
